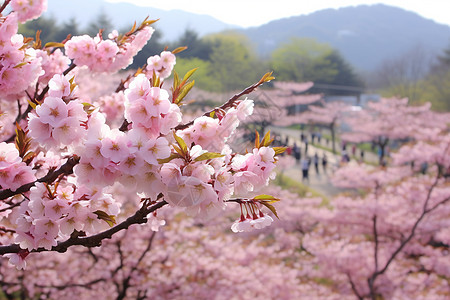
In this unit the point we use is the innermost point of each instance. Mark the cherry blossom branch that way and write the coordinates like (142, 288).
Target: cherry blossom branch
(375, 234)
(352, 284)
(38, 99)
(78, 238)
(266, 78)
(4, 5)
(52, 175)
(126, 281)
(425, 211)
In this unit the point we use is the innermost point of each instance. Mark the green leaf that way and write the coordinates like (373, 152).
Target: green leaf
(32, 104)
(279, 150)
(271, 207)
(168, 159)
(176, 80)
(266, 198)
(189, 74)
(185, 91)
(110, 219)
(208, 155)
(266, 140)
(181, 143)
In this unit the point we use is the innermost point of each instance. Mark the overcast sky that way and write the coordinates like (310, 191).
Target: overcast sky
(248, 13)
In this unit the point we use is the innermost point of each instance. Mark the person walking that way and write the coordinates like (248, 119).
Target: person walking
(324, 163)
(305, 168)
(316, 162)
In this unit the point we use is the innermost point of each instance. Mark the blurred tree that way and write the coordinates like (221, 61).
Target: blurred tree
(47, 26)
(196, 47)
(101, 21)
(436, 86)
(402, 76)
(70, 26)
(232, 61)
(305, 59)
(201, 76)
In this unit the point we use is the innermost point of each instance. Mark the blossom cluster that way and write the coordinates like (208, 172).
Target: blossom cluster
(13, 171)
(58, 121)
(213, 133)
(19, 65)
(28, 10)
(57, 178)
(162, 65)
(108, 55)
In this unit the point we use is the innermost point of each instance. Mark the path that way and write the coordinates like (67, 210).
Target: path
(317, 181)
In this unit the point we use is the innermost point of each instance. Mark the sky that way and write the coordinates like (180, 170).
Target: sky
(247, 13)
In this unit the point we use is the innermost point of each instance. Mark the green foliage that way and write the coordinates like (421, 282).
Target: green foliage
(196, 47)
(305, 59)
(233, 63)
(47, 27)
(436, 89)
(202, 79)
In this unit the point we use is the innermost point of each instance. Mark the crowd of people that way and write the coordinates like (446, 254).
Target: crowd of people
(300, 150)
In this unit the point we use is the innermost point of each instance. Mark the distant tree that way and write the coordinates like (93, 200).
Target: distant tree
(232, 61)
(345, 76)
(196, 47)
(436, 86)
(101, 21)
(47, 26)
(68, 27)
(305, 59)
(401, 76)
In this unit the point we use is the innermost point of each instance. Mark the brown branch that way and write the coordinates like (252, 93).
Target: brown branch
(425, 211)
(355, 291)
(2, 8)
(230, 102)
(51, 176)
(140, 217)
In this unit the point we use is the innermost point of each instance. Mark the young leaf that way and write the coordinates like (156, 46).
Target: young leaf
(54, 44)
(185, 91)
(256, 139)
(266, 197)
(179, 49)
(279, 150)
(189, 74)
(110, 219)
(266, 141)
(271, 207)
(32, 104)
(181, 143)
(168, 159)
(208, 155)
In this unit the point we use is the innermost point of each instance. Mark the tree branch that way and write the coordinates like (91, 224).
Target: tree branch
(2, 8)
(52, 175)
(140, 217)
(231, 101)
(39, 98)
(425, 211)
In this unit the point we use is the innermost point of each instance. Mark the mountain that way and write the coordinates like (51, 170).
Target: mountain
(365, 35)
(172, 23)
